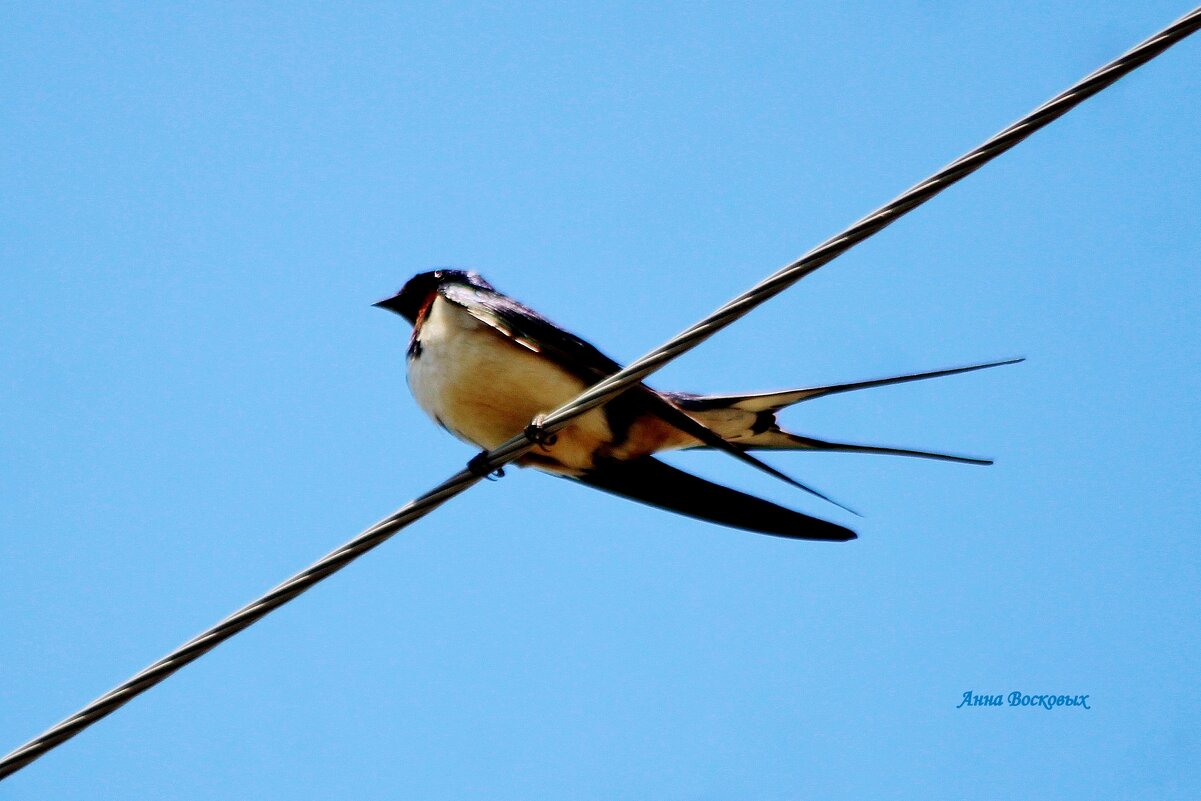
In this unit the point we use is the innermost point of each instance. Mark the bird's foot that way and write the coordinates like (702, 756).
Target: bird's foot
(478, 466)
(536, 434)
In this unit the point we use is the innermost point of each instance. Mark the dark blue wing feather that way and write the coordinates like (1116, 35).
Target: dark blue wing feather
(659, 484)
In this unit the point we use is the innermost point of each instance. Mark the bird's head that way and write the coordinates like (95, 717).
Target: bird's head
(421, 287)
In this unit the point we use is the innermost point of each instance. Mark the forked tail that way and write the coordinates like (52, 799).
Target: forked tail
(750, 421)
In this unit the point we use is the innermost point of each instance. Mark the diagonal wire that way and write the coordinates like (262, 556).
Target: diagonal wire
(604, 391)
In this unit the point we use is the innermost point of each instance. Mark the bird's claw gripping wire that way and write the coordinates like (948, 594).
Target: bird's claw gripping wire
(534, 432)
(479, 466)
(538, 435)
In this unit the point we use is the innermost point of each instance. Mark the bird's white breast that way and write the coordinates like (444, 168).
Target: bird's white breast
(485, 388)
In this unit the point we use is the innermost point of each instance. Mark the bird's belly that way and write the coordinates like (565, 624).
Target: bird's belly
(485, 389)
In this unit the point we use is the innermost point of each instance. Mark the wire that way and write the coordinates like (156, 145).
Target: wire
(603, 391)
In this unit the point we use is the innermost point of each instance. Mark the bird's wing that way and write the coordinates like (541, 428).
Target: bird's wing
(659, 484)
(531, 330)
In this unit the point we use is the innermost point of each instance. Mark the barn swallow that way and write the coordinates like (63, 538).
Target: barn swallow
(483, 366)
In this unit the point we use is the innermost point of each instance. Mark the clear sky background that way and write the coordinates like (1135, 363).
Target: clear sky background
(200, 202)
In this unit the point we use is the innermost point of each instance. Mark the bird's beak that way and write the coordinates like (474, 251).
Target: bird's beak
(392, 304)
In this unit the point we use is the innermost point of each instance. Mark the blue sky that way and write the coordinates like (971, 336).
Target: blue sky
(201, 202)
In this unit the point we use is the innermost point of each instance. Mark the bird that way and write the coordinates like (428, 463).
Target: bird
(483, 366)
